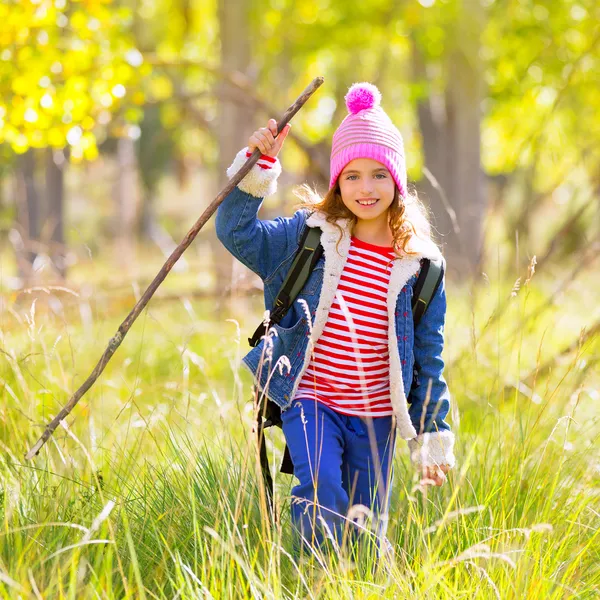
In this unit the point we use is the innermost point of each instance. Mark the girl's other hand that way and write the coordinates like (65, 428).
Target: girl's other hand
(435, 475)
(264, 139)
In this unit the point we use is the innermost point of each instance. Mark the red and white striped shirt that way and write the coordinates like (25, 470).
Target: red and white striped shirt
(349, 368)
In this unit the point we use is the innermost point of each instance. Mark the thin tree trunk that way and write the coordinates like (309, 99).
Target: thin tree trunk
(236, 121)
(28, 215)
(432, 123)
(56, 163)
(147, 214)
(126, 190)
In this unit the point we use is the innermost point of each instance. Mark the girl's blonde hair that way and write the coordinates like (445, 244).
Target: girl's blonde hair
(407, 216)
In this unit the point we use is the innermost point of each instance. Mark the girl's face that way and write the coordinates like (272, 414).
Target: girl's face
(367, 189)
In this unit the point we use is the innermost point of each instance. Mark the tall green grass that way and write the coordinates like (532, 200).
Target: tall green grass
(152, 489)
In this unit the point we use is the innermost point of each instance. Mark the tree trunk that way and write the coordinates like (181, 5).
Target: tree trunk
(236, 122)
(28, 216)
(432, 122)
(451, 140)
(147, 220)
(56, 162)
(466, 191)
(125, 194)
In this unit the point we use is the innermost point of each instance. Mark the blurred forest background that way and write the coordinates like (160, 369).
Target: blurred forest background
(119, 118)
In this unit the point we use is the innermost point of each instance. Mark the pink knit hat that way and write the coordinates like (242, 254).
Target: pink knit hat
(367, 132)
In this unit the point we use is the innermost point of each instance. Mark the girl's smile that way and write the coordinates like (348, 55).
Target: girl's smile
(368, 201)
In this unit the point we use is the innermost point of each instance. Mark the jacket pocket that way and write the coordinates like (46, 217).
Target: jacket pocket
(287, 339)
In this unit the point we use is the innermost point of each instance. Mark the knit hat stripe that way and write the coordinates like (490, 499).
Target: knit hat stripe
(357, 139)
(352, 131)
(371, 125)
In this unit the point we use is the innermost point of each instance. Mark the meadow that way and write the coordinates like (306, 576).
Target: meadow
(151, 490)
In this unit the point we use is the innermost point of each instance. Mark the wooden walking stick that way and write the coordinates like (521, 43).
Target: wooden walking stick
(116, 340)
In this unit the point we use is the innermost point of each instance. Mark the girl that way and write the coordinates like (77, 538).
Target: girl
(347, 367)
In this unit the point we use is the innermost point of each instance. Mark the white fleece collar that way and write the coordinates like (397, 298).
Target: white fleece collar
(425, 248)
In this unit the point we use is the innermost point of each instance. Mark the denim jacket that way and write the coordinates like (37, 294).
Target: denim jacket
(278, 362)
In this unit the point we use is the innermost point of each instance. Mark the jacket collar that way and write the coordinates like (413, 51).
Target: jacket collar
(424, 247)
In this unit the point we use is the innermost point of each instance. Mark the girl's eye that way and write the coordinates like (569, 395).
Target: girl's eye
(383, 175)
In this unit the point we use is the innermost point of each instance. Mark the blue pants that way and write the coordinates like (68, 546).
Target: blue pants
(338, 465)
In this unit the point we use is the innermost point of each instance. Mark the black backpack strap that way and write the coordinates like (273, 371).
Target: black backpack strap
(272, 415)
(264, 463)
(430, 277)
(308, 253)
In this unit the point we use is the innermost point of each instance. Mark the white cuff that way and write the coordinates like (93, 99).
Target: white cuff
(431, 449)
(261, 181)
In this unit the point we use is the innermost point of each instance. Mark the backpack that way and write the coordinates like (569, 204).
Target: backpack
(308, 253)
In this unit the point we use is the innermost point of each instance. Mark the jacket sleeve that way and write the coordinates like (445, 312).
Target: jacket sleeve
(260, 245)
(434, 444)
